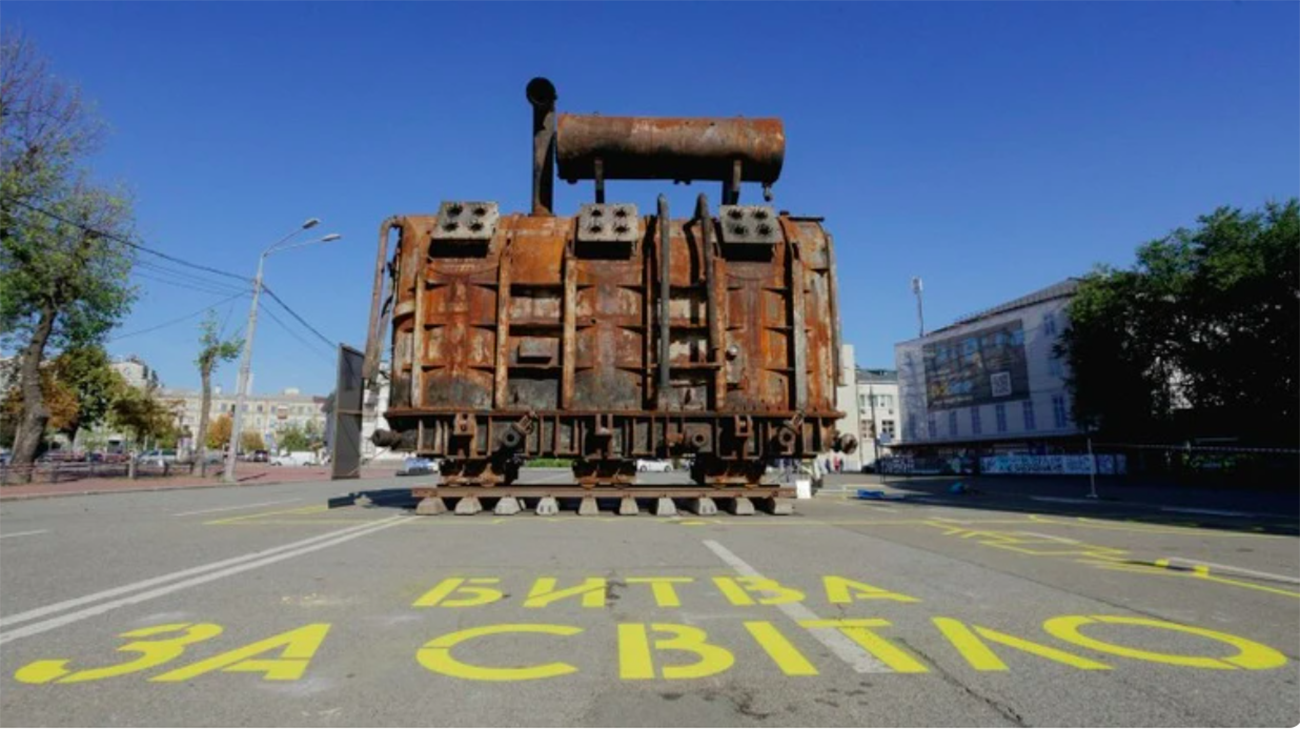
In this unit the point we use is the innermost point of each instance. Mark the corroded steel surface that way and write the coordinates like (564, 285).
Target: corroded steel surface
(666, 148)
(606, 337)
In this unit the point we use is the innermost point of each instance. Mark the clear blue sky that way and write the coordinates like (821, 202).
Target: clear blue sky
(991, 148)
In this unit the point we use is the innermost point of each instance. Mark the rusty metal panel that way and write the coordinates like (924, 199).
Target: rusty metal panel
(608, 336)
(668, 148)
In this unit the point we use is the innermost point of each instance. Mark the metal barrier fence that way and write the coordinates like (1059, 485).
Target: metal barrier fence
(66, 471)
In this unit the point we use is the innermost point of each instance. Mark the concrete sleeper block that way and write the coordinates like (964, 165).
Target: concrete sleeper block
(627, 507)
(468, 505)
(703, 506)
(664, 506)
(506, 506)
(588, 507)
(547, 506)
(431, 506)
(742, 506)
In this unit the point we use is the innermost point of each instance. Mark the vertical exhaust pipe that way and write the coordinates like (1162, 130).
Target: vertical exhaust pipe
(665, 295)
(541, 94)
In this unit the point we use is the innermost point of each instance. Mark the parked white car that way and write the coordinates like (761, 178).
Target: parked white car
(157, 457)
(653, 466)
(296, 458)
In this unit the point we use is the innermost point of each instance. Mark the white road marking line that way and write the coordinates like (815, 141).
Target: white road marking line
(234, 508)
(1212, 512)
(92, 611)
(1237, 570)
(23, 534)
(67, 604)
(839, 644)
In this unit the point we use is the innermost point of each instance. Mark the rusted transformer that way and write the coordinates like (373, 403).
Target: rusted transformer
(613, 335)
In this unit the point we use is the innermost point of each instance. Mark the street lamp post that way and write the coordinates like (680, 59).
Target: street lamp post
(920, 315)
(245, 367)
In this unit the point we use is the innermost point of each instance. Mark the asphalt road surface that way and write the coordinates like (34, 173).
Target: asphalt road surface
(261, 606)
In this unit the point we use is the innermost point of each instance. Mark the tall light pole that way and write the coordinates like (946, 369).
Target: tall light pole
(920, 316)
(237, 420)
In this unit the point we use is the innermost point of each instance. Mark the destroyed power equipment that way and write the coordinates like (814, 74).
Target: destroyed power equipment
(616, 333)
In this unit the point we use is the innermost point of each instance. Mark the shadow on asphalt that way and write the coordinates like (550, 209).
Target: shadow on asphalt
(1271, 511)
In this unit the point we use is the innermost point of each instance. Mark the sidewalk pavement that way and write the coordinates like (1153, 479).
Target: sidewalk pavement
(246, 474)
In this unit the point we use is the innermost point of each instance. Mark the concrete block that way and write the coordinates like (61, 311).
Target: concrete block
(742, 506)
(779, 507)
(665, 507)
(702, 506)
(431, 506)
(468, 505)
(506, 506)
(588, 507)
(547, 506)
(627, 507)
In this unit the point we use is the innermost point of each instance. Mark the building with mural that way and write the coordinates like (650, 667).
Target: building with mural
(990, 383)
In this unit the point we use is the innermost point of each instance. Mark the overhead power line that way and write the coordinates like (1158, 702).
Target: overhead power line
(301, 321)
(178, 320)
(308, 344)
(185, 277)
(188, 285)
(125, 241)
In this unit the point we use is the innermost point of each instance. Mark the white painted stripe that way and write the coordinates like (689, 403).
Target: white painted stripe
(90, 612)
(235, 508)
(1237, 570)
(75, 602)
(840, 644)
(23, 534)
(1212, 512)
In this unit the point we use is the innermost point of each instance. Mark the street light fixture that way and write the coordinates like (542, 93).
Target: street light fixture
(236, 426)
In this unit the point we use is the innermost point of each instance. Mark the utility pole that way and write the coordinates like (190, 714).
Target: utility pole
(245, 366)
(920, 315)
(875, 425)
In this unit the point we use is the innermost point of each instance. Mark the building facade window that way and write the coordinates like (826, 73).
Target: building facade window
(911, 430)
(1028, 406)
(975, 426)
(933, 426)
(1054, 366)
(1049, 324)
(887, 429)
(1000, 410)
(1059, 414)
(952, 423)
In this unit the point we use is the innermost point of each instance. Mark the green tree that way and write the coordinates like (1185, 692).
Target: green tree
(213, 350)
(87, 372)
(251, 440)
(1200, 335)
(141, 414)
(299, 438)
(63, 275)
(218, 436)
